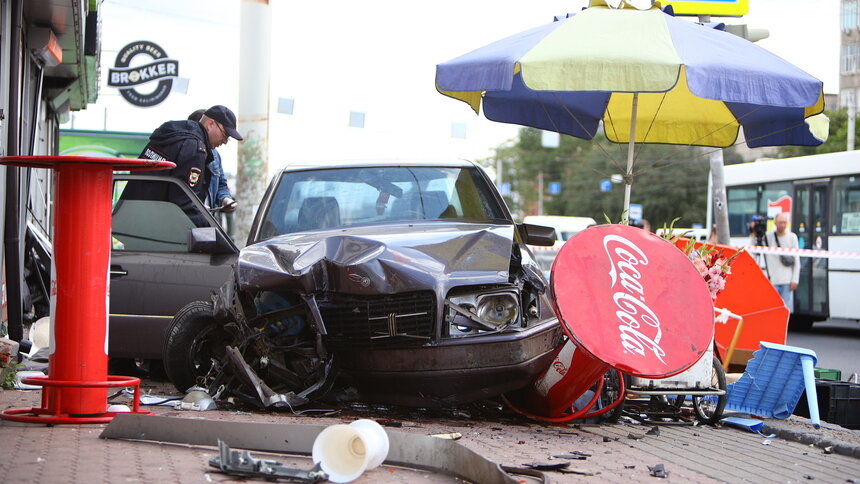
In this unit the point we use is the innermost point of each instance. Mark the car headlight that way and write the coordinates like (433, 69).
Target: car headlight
(500, 309)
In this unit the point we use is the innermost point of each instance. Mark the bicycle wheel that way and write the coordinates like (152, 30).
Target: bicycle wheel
(709, 408)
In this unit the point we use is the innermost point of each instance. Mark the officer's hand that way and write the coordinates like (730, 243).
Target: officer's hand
(228, 204)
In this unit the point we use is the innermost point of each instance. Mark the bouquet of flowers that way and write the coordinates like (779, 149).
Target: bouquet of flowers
(710, 260)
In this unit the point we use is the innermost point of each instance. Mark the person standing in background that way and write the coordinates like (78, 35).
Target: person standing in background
(783, 270)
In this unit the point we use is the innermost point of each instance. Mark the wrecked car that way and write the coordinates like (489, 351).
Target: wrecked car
(394, 283)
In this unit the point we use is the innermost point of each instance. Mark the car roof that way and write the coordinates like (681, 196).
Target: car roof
(374, 164)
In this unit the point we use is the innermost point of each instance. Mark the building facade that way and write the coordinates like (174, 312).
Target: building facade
(49, 58)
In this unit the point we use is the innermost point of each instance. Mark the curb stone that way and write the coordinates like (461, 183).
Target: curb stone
(799, 429)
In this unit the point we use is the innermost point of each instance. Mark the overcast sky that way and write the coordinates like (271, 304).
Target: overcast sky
(376, 57)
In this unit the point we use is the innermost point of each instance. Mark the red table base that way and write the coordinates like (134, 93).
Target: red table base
(76, 386)
(48, 413)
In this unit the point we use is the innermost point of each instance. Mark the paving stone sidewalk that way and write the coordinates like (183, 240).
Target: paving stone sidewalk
(615, 453)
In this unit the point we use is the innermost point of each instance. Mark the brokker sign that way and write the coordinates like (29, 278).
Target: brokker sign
(125, 77)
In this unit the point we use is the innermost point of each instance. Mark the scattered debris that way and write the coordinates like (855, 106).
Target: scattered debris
(577, 454)
(658, 471)
(449, 436)
(766, 442)
(570, 456)
(608, 439)
(198, 399)
(547, 466)
(630, 467)
(633, 436)
(317, 412)
(581, 472)
(828, 449)
(240, 463)
(808, 477)
(655, 430)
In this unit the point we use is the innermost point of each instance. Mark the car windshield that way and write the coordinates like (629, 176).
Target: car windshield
(336, 198)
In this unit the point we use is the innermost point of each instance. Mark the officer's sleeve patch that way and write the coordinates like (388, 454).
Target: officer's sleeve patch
(194, 177)
(151, 153)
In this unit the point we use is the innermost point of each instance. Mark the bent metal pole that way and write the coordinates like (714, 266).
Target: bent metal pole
(75, 390)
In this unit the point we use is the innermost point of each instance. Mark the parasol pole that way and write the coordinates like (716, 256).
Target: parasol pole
(628, 178)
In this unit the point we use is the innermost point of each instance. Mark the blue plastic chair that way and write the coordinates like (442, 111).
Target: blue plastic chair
(773, 382)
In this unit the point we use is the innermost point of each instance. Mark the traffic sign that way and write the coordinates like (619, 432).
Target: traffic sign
(605, 185)
(554, 188)
(635, 212)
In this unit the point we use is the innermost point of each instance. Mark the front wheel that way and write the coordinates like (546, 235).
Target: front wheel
(193, 341)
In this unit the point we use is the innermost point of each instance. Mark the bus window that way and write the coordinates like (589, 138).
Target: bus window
(742, 206)
(846, 206)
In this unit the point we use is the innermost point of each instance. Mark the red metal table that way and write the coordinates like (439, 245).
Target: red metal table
(75, 389)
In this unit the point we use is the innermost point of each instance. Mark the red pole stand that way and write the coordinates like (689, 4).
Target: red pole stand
(75, 390)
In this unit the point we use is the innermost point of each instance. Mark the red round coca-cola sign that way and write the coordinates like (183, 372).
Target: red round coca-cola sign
(632, 300)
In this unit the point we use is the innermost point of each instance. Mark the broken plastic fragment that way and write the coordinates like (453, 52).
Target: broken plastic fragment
(658, 471)
(547, 466)
(449, 436)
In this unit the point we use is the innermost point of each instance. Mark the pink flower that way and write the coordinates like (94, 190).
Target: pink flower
(700, 266)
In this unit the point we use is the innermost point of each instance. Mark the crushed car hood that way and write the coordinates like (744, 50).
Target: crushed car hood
(379, 259)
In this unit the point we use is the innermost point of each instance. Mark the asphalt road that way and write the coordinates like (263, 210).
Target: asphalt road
(836, 342)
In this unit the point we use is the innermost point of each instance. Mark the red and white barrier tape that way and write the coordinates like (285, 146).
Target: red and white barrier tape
(758, 249)
(828, 254)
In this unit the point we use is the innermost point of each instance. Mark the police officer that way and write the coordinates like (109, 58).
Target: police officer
(189, 144)
(219, 192)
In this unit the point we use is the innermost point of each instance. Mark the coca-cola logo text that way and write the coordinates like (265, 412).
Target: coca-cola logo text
(640, 327)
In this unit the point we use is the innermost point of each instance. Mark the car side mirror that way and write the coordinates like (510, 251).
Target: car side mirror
(208, 240)
(538, 235)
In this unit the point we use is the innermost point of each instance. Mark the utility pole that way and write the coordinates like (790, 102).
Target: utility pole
(253, 162)
(718, 195)
(540, 193)
(852, 119)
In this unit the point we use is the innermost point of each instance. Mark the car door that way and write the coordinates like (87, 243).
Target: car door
(155, 269)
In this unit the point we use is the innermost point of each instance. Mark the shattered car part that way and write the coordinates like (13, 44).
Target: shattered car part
(241, 463)
(658, 471)
(196, 399)
(407, 450)
(405, 284)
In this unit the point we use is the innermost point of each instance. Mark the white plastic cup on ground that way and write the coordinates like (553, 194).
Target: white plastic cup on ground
(345, 452)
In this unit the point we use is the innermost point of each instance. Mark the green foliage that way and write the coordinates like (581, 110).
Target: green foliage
(668, 181)
(9, 373)
(837, 139)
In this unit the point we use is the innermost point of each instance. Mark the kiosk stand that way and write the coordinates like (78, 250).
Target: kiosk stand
(75, 389)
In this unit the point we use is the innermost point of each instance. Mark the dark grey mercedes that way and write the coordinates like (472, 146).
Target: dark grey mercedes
(380, 282)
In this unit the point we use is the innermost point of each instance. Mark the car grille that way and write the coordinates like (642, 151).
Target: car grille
(378, 321)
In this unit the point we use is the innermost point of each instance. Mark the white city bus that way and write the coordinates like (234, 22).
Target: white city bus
(822, 192)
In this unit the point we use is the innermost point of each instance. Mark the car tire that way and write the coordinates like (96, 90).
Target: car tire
(193, 340)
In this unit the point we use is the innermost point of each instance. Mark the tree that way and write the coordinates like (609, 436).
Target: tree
(669, 181)
(837, 139)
